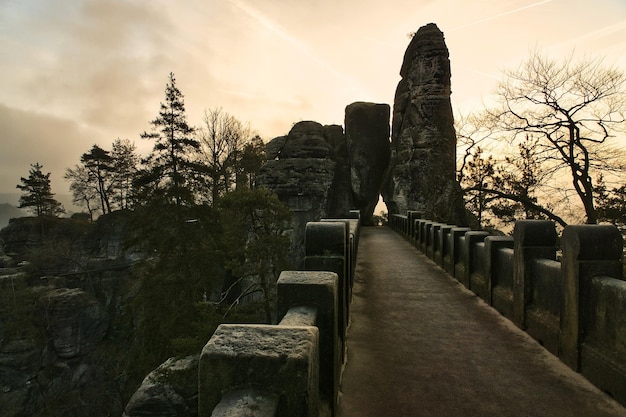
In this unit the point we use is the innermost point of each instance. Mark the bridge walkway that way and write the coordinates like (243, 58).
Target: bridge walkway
(420, 344)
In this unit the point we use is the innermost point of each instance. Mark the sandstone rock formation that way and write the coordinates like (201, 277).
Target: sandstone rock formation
(75, 321)
(301, 171)
(171, 390)
(62, 338)
(52, 359)
(421, 175)
(367, 134)
(320, 172)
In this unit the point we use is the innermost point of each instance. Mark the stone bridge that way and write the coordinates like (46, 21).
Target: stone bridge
(426, 318)
(433, 320)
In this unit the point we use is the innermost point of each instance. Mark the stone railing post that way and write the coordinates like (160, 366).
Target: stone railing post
(317, 289)
(532, 239)
(425, 226)
(471, 239)
(588, 251)
(412, 216)
(455, 249)
(279, 363)
(325, 250)
(436, 242)
(444, 248)
(492, 245)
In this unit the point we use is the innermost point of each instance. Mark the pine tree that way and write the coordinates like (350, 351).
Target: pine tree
(478, 177)
(170, 170)
(125, 163)
(37, 195)
(99, 164)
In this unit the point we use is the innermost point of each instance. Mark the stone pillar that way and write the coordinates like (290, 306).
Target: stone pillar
(588, 251)
(455, 249)
(325, 250)
(532, 239)
(444, 244)
(413, 216)
(319, 290)
(369, 150)
(492, 245)
(423, 242)
(436, 246)
(471, 238)
(282, 360)
(422, 171)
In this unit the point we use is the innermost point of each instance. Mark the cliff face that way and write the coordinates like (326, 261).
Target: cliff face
(421, 174)
(63, 338)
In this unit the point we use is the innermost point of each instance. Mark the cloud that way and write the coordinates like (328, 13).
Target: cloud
(95, 61)
(500, 15)
(29, 137)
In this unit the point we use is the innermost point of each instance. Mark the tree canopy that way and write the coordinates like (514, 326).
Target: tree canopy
(170, 172)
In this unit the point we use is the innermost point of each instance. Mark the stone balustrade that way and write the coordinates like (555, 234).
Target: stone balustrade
(292, 368)
(575, 307)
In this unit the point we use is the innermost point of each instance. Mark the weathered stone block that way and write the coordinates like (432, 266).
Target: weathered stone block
(337, 265)
(588, 251)
(317, 289)
(247, 402)
(492, 245)
(281, 360)
(533, 239)
(325, 238)
(470, 260)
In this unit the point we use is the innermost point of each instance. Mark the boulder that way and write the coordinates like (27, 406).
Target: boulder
(171, 390)
(422, 170)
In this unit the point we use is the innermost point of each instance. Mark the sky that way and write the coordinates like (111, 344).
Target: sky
(82, 72)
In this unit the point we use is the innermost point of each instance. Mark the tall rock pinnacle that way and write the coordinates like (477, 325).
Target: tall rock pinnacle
(421, 175)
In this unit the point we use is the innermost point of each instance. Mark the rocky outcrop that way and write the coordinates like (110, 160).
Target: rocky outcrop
(421, 175)
(75, 321)
(171, 390)
(63, 340)
(367, 135)
(320, 172)
(48, 359)
(301, 171)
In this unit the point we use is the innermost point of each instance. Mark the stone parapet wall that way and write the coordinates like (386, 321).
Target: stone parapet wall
(574, 307)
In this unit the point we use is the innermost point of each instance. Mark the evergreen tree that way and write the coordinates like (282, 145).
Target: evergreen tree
(99, 164)
(519, 180)
(125, 163)
(611, 204)
(170, 171)
(37, 195)
(479, 176)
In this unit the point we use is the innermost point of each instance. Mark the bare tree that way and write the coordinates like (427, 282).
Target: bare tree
(223, 143)
(574, 108)
(472, 131)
